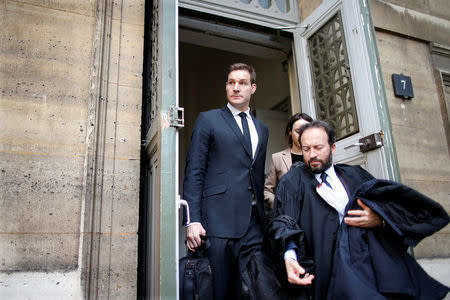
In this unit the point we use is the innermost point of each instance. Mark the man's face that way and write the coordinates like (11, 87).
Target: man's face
(239, 89)
(317, 153)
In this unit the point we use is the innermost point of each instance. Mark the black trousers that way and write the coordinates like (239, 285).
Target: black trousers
(228, 256)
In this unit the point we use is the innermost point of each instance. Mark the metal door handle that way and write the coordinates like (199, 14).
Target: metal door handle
(182, 202)
(353, 145)
(370, 142)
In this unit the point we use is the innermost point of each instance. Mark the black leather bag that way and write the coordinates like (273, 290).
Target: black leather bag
(196, 275)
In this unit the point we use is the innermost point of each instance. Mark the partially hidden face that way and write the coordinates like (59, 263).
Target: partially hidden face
(294, 132)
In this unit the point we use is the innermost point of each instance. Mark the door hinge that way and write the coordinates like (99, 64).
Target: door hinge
(176, 116)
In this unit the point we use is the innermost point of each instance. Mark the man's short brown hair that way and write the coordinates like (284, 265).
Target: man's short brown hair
(242, 66)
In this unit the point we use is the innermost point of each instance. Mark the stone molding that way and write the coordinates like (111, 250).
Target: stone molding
(408, 22)
(95, 142)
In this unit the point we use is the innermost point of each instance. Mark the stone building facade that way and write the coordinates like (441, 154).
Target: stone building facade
(77, 81)
(71, 93)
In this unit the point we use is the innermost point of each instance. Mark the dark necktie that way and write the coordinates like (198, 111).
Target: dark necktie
(324, 179)
(245, 130)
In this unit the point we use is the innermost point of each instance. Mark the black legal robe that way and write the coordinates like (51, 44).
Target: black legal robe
(318, 220)
(355, 265)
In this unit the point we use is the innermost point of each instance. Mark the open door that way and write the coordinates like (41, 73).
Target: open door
(159, 223)
(340, 82)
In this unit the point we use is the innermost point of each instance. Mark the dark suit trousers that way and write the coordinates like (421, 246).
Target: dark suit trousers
(228, 256)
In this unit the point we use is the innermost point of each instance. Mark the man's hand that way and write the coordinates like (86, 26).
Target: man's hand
(294, 271)
(193, 233)
(365, 218)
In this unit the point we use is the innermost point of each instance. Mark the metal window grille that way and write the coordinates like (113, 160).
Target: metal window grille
(333, 92)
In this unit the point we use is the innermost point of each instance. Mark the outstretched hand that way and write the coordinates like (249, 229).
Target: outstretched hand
(296, 274)
(365, 218)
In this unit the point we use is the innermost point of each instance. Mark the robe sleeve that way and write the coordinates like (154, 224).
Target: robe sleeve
(410, 214)
(287, 200)
(284, 226)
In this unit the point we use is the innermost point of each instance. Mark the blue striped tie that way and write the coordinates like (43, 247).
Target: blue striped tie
(324, 179)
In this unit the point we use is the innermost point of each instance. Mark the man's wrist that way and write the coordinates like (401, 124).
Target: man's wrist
(192, 223)
(290, 254)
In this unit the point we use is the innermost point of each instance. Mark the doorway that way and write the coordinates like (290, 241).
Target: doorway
(207, 46)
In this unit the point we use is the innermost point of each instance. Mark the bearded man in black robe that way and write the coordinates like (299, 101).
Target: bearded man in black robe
(335, 228)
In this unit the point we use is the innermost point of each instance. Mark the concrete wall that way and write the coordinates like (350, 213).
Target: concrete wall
(70, 109)
(417, 124)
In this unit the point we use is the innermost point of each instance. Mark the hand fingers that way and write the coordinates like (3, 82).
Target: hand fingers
(363, 222)
(300, 270)
(306, 280)
(296, 274)
(198, 240)
(190, 245)
(355, 221)
(358, 212)
(366, 218)
(193, 239)
(362, 205)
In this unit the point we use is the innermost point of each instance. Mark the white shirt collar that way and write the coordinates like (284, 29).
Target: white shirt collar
(236, 111)
(331, 172)
(336, 196)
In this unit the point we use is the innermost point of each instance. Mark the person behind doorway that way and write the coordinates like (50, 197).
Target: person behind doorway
(356, 229)
(224, 182)
(282, 161)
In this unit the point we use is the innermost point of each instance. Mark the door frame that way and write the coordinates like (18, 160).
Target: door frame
(165, 138)
(158, 231)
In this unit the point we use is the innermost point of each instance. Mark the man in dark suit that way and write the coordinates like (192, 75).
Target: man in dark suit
(224, 182)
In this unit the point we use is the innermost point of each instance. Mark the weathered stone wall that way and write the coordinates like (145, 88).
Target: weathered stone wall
(436, 8)
(417, 124)
(427, 20)
(46, 57)
(70, 111)
(307, 7)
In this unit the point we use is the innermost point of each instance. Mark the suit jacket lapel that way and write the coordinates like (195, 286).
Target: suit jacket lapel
(346, 180)
(260, 132)
(287, 158)
(229, 118)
